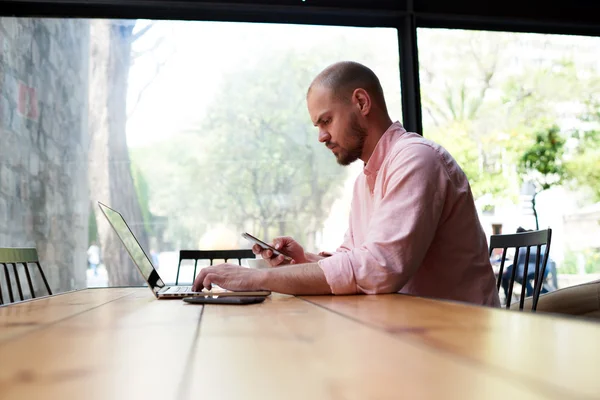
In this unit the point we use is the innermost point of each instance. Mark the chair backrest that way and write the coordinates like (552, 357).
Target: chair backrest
(212, 255)
(518, 241)
(15, 257)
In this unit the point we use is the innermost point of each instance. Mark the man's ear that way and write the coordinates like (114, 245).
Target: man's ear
(362, 100)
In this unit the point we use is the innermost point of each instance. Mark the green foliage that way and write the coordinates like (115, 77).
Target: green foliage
(171, 170)
(569, 264)
(92, 227)
(591, 262)
(262, 158)
(584, 164)
(542, 162)
(482, 160)
(142, 191)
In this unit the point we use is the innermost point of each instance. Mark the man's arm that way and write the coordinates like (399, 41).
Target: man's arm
(294, 279)
(400, 230)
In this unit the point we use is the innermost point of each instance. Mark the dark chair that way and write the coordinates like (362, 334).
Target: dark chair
(24, 257)
(518, 241)
(212, 255)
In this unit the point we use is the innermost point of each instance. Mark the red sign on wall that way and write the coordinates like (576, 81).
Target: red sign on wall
(28, 104)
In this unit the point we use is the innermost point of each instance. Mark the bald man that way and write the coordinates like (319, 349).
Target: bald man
(413, 225)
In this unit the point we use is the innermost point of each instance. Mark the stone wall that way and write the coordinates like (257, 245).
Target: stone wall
(44, 200)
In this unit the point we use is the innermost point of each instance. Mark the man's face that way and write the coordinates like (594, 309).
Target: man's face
(338, 123)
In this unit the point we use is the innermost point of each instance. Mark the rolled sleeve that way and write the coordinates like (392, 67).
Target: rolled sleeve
(339, 273)
(400, 231)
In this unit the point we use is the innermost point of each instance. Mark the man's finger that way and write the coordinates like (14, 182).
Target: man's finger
(256, 249)
(206, 282)
(273, 262)
(210, 279)
(197, 286)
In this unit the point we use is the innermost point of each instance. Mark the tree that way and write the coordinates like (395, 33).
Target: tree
(462, 111)
(542, 163)
(262, 158)
(584, 161)
(109, 163)
(171, 170)
(584, 165)
(489, 97)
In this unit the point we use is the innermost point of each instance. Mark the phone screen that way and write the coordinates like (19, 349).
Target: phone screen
(265, 246)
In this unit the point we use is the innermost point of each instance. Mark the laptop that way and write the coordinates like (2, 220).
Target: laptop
(147, 270)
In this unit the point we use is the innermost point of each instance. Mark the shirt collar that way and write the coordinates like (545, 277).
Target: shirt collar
(386, 142)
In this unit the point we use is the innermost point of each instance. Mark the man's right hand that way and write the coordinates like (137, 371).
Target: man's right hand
(286, 245)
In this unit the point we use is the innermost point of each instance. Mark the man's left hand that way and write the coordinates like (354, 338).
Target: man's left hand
(230, 277)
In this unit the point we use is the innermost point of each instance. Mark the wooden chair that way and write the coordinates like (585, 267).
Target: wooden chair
(211, 255)
(14, 257)
(517, 241)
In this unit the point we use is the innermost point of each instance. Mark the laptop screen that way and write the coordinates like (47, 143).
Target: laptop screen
(133, 247)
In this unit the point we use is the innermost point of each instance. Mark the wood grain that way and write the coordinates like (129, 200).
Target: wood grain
(19, 318)
(286, 348)
(133, 347)
(559, 355)
(137, 347)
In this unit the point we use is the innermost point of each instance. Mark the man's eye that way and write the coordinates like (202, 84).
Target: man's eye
(327, 122)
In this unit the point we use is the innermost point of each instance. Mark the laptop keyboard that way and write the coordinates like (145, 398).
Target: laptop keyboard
(179, 289)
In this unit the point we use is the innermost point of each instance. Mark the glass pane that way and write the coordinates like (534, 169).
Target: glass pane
(194, 131)
(521, 114)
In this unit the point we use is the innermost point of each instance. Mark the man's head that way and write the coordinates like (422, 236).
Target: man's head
(345, 101)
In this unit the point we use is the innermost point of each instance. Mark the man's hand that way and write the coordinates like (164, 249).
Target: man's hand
(230, 277)
(286, 245)
(294, 279)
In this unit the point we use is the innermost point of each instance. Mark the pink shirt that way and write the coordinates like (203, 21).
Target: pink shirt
(413, 227)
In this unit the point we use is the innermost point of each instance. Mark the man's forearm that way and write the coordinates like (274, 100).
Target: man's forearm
(312, 257)
(296, 279)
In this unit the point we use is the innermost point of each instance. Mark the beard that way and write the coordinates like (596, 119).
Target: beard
(356, 141)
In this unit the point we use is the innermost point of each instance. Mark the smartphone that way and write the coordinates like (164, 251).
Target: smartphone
(265, 246)
(224, 299)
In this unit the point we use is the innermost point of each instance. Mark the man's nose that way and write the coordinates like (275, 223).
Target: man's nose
(324, 136)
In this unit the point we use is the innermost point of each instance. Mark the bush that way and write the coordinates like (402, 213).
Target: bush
(591, 262)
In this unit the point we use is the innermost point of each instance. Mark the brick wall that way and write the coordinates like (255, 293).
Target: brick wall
(44, 199)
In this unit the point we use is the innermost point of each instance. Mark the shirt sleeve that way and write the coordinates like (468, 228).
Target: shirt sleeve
(347, 245)
(402, 228)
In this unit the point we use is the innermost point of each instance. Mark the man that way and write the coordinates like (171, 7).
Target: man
(93, 254)
(413, 225)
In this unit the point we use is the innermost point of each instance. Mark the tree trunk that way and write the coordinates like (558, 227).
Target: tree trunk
(109, 170)
(537, 225)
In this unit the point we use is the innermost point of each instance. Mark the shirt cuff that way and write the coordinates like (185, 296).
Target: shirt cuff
(339, 273)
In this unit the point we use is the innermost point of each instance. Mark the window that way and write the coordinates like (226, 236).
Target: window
(195, 131)
(521, 115)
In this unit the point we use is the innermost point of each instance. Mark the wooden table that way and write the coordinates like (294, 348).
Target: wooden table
(121, 343)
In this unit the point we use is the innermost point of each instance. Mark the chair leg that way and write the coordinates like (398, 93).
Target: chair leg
(195, 265)
(1, 297)
(501, 271)
(44, 278)
(14, 265)
(525, 279)
(177, 277)
(512, 278)
(29, 280)
(7, 275)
